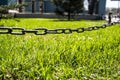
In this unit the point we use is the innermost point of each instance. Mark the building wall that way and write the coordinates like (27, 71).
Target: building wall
(49, 6)
(3, 2)
(29, 7)
(102, 7)
(10, 2)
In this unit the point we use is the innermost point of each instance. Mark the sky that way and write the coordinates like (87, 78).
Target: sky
(112, 4)
(109, 3)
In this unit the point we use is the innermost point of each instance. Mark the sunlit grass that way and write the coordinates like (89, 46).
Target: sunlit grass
(88, 55)
(48, 23)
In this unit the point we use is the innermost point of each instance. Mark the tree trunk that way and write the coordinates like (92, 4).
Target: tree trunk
(69, 16)
(97, 7)
(69, 11)
(20, 2)
(91, 6)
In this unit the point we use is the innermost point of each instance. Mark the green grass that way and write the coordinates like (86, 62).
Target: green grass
(89, 55)
(32, 23)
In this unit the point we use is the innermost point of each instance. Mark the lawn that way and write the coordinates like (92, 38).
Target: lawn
(84, 56)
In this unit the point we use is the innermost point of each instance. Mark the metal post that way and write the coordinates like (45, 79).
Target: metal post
(109, 18)
(41, 6)
(33, 6)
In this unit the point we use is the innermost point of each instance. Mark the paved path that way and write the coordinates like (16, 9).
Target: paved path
(114, 19)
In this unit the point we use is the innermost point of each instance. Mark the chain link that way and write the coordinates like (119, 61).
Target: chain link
(17, 31)
(44, 31)
(5, 30)
(41, 31)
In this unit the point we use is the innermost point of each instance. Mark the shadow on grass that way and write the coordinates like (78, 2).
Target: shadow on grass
(73, 20)
(66, 20)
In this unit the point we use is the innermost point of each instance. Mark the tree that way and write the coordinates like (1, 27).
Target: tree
(4, 8)
(92, 5)
(71, 7)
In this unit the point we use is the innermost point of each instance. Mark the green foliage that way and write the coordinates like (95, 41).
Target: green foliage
(92, 5)
(4, 8)
(69, 7)
(89, 55)
(7, 7)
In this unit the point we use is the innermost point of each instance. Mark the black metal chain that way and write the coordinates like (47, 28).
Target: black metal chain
(44, 31)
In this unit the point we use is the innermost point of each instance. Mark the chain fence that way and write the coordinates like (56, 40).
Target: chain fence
(44, 31)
